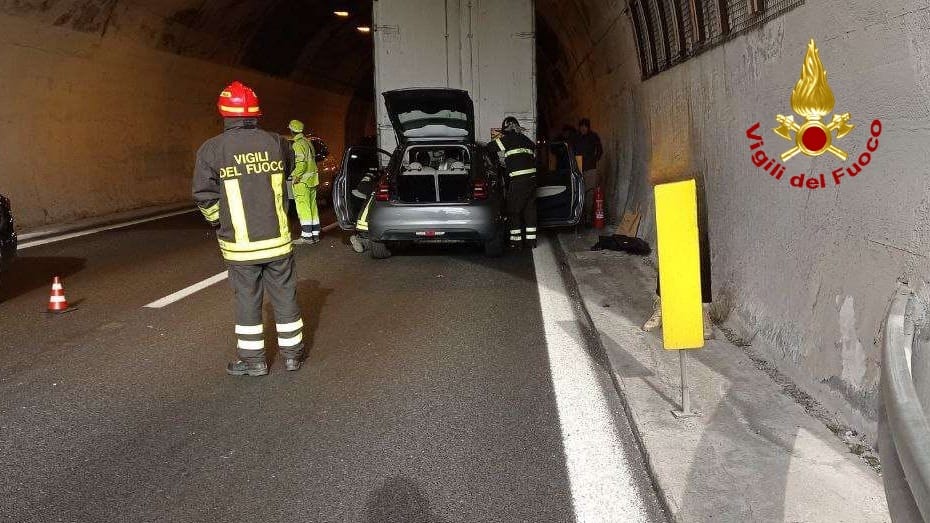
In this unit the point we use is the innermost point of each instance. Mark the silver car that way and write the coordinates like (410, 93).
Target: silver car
(440, 185)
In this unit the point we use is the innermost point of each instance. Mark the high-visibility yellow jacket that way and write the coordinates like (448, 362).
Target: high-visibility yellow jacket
(305, 169)
(239, 187)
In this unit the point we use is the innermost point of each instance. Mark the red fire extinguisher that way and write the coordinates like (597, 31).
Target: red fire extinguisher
(598, 208)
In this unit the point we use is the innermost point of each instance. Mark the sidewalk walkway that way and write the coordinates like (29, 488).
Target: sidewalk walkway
(754, 454)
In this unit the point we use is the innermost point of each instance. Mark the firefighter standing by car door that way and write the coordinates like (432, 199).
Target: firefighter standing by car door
(520, 161)
(306, 178)
(239, 187)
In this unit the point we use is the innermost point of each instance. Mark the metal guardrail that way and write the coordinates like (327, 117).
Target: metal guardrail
(904, 430)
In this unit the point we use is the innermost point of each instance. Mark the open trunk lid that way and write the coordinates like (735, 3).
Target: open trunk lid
(431, 114)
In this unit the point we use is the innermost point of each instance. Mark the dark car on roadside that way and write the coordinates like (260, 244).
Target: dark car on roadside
(7, 233)
(440, 185)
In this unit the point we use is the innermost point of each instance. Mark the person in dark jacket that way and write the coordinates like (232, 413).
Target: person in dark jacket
(587, 144)
(520, 161)
(568, 134)
(239, 187)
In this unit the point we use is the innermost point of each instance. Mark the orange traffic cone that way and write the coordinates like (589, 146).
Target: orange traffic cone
(57, 302)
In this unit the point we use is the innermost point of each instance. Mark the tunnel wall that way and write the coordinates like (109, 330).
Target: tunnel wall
(102, 123)
(808, 275)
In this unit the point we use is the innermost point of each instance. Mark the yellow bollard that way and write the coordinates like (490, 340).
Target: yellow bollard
(679, 265)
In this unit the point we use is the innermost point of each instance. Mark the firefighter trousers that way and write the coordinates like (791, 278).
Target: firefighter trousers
(521, 208)
(250, 283)
(307, 211)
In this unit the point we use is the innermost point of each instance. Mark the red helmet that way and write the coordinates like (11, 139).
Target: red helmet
(238, 101)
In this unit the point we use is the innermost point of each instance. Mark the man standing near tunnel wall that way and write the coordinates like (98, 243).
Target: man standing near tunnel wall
(239, 187)
(587, 144)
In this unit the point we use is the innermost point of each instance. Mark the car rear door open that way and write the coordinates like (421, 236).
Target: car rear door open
(350, 195)
(559, 186)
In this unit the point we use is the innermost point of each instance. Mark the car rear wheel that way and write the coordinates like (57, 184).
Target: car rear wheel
(379, 250)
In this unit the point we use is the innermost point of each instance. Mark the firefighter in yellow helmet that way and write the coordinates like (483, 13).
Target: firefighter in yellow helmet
(239, 187)
(306, 179)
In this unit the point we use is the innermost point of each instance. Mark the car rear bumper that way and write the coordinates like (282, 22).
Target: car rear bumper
(433, 223)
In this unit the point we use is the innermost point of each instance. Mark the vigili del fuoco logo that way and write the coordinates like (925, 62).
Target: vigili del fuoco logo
(812, 99)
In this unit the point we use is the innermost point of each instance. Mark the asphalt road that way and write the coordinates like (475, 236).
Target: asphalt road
(427, 395)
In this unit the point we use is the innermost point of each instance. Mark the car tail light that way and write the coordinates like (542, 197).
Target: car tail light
(480, 191)
(383, 192)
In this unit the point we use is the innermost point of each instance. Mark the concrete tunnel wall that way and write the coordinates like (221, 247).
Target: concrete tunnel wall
(107, 102)
(808, 275)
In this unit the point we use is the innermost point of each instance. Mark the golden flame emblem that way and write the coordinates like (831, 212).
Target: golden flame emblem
(813, 99)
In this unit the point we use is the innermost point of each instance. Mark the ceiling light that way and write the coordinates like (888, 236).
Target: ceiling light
(341, 14)
(363, 29)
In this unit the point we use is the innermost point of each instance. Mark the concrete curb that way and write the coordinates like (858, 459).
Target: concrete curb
(102, 221)
(593, 336)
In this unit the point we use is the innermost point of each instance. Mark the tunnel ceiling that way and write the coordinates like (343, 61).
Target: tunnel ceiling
(303, 40)
(297, 39)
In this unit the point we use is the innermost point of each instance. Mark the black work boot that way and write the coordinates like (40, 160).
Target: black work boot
(292, 364)
(246, 368)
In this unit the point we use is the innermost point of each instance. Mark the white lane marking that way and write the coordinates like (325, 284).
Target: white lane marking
(197, 287)
(602, 485)
(85, 232)
(184, 293)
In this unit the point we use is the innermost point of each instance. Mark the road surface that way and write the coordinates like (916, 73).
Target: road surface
(440, 386)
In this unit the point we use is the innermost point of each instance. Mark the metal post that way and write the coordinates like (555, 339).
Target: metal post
(685, 411)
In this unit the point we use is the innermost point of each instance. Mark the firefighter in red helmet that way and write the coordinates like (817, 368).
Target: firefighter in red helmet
(239, 187)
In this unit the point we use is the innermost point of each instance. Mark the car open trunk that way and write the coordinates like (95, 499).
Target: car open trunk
(435, 174)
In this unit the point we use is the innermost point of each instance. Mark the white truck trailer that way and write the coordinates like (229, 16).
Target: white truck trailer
(486, 47)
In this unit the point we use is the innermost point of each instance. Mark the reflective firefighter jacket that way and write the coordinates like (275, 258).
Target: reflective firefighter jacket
(239, 187)
(519, 153)
(305, 169)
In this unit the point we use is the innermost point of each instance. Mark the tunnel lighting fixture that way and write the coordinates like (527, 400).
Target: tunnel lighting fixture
(341, 14)
(364, 29)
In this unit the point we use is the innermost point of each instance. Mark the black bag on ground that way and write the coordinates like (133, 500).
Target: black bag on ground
(619, 242)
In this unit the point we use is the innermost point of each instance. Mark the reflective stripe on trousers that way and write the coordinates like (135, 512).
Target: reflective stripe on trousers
(290, 334)
(250, 284)
(362, 224)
